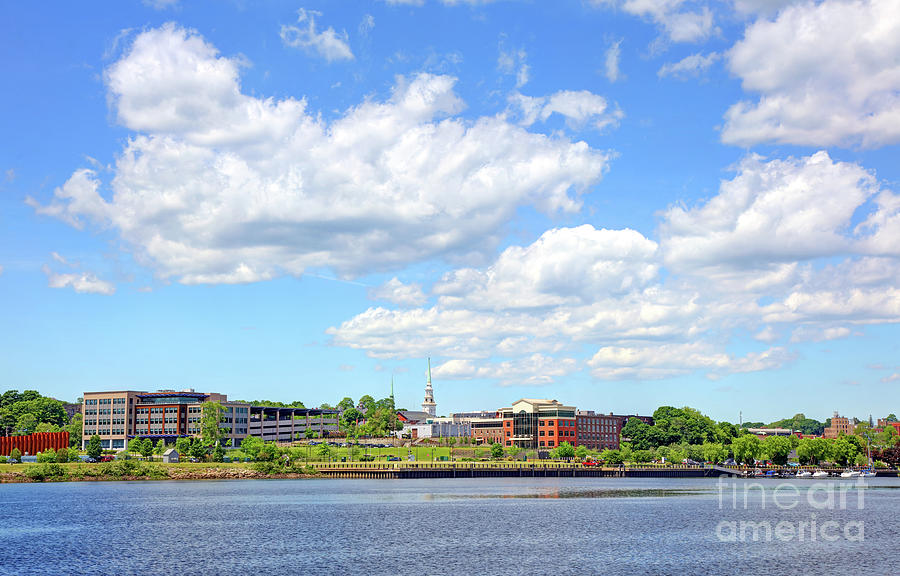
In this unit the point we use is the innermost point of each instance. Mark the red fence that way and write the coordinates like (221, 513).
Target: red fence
(34, 443)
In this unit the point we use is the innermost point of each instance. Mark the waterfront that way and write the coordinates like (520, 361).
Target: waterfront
(463, 526)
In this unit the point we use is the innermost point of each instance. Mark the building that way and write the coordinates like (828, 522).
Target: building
(168, 415)
(170, 456)
(771, 431)
(486, 430)
(840, 425)
(597, 431)
(537, 423)
(429, 405)
(882, 423)
(423, 425)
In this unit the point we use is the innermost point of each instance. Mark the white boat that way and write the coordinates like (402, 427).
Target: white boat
(820, 474)
(868, 474)
(804, 474)
(849, 473)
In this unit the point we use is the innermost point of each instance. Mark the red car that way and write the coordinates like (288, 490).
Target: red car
(589, 463)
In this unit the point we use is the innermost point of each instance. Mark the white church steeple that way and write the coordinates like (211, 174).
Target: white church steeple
(429, 405)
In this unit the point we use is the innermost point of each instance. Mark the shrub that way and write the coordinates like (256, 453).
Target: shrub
(62, 456)
(15, 455)
(48, 455)
(46, 471)
(3, 459)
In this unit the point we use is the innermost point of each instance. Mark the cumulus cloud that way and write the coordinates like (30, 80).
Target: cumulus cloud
(399, 293)
(578, 107)
(327, 43)
(655, 361)
(814, 90)
(81, 282)
(773, 256)
(775, 211)
(762, 7)
(217, 186)
(611, 61)
(691, 66)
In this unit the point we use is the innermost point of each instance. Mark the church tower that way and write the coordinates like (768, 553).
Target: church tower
(429, 405)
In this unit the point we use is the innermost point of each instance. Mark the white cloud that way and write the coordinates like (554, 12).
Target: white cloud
(510, 61)
(399, 293)
(611, 61)
(655, 361)
(366, 25)
(775, 211)
(81, 282)
(1, 270)
(681, 20)
(809, 334)
(160, 4)
(774, 253)
(218, 186)
(534, 370)
(327, 43)
(579, 108)
(892, 378)
(816, 90)
(605, 262)
(690, 66)
(763, 7)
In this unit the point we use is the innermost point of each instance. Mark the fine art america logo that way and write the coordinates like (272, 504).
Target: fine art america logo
(780, 514)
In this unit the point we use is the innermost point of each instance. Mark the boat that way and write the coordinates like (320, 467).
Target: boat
(804, 474)
(820, 474)
(868, 473)
(850, 473)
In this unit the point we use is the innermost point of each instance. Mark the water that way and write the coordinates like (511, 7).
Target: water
(452, 526)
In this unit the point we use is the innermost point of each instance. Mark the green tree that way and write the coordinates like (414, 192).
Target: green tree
(843, 450)
(638, 433)
(777, 448)
(160, 447)
(146, 447)
(94, 447)
(496, 450)
(74, 429)
(581, 452)
(612, 457)
(367, 403)
(15, 455)
(218, 453)
(713, 452)
(183, 446)
(46, 427)
(48, 455)
(565, 450)
(812, 450)
(135, 445)
(345, 404)
(891, 418)
(26, 423)
(323, 450)
(746, 448)
(210, 420)
(198, 450)
(251, 445)
(62, 455)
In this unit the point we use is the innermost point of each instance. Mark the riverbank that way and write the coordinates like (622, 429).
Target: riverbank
(136, 470)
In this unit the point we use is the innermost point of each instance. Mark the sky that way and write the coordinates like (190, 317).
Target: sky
(619, 204)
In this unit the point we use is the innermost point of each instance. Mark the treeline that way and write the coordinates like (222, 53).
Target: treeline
(23, 413)
(679, 434)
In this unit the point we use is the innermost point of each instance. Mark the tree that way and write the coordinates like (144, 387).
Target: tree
(210, 420)
(183, 446)
(777, 448)
(218, 453)
(345, 404)
(612, 457)
(147, 448)
(496, 450)
(581, 452)
(16, 456)
(48, 455)
(62, 455)
(135, 445)
(251, 445)
(74, 429)
(160, 447)
(843, 450)
(198, 450)
(891, 418)
(349, 419)
(713, 452)
(746, 448)
(94, 447)
(323, 450)
(46, 427)
(564, 450)
(639, 433)
(367, 403)
(26, 424)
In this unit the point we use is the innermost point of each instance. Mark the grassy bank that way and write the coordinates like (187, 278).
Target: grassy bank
(137, 470)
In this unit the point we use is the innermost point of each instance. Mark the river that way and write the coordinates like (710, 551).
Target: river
(451, 526)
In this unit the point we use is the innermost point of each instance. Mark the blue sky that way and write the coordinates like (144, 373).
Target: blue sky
(616, 203)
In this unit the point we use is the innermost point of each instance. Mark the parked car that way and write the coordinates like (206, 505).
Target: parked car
(589, 463)
(393, 458)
